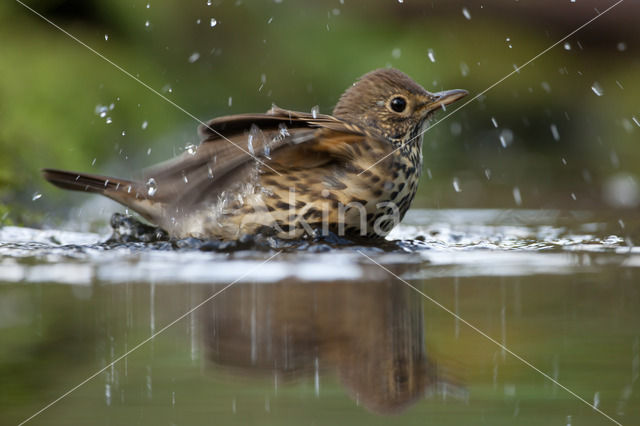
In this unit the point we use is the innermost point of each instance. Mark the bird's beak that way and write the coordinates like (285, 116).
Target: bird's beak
(442, 99)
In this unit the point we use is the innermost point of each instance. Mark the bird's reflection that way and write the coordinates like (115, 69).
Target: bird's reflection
(370, 333)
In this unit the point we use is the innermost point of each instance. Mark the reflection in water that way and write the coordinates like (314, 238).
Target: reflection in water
(371, 334)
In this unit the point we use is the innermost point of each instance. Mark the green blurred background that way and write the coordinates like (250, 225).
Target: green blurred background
(563, 132)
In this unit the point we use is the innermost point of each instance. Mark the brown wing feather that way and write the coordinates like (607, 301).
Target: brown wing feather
(279, 138)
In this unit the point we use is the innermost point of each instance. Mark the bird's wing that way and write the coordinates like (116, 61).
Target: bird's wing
(234, 148)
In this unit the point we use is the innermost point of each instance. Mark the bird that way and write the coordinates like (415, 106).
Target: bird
(286, 173)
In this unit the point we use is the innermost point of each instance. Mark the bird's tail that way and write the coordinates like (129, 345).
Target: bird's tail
(126, 192)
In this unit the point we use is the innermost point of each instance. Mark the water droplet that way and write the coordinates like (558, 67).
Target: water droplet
(456, 185)
(465, 13)
(184, 178)
(148, 5)
(147, 24)
(209, 2)
(400, 1)
(395, 53)
(106, 37)
(546, 87)
(152, 187)
(93, 162)
(198, 21)
(36, 196)
(230, 101)
(270, 20)
(506, 138)
(622, 46)
(431, 55)
(103, 114)
(194, 57)
(567, 46)
(107, 394)
(109, 120)
(554, 132)
(124, 133)
(494, 122)
(145, 124)
(314, 111)
(464, 69)
(213, 22)
(573, 196)
(456, 128)
(597, 89)
(191, 149)
(635, 120)
(487, 174)
(517, 197)
(148, 151)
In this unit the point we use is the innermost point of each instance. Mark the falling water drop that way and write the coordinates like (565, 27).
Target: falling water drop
(595, 87)
(147, 24)
(554, 132)
(456, 185)
(194, 57)
(36, 196)
(213, 22)
(506, 138)
(517, 197)
(466, 13)
(314, 111)
(494, 122)
(431, 55)
(145, 124)
(567, 45)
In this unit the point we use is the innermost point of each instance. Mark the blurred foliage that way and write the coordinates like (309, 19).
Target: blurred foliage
(564, 143)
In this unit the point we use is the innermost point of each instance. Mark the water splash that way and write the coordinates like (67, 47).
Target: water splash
(152, 187)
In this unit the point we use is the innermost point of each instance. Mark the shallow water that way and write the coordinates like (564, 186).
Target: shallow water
(319, 333)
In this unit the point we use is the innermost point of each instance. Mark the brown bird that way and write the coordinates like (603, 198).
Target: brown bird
(289, 173)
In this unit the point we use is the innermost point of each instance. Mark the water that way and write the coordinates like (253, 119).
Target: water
(323, 332)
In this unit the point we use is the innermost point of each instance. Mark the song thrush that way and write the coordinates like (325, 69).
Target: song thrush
(291, 173)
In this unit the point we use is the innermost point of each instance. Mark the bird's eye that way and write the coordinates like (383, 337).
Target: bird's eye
(398, 104)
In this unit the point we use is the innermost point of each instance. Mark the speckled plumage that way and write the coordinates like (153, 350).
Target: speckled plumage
(290, 173)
